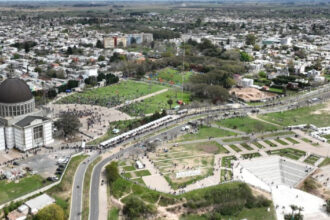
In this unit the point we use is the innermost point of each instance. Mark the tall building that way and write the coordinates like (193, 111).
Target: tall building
(22, 125)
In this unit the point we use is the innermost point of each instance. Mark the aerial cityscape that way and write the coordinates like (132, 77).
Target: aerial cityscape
(165, 110)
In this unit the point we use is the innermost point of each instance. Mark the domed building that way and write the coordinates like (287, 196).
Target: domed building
(21, 124)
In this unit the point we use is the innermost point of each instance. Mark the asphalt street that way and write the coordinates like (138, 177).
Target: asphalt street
(77, 188)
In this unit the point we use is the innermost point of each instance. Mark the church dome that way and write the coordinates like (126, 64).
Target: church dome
(14, 90)
(15, 98)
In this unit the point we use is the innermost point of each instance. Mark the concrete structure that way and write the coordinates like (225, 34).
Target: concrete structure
(38, 203)
(21, 125)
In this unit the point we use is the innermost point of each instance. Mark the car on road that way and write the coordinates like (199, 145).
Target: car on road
(52, 178)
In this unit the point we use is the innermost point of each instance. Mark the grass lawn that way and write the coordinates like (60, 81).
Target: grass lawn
(129, 168)
(288, 152)
(247, 124)
(293, 141)
(252, 155)
(113, 214)
(299, 116)
(271, 144)
(280, 141)
(127, 175)
(277, 134)
(325, 162)
(171, 75)
(249, 214)
(112, 95)
(156, 103)
(139, 180)
(311, 159)
(327, 137)
(246, 146)
(141, 173)
(234, 139)
(226, 175)
(226, 161)
(207, 147)
(206, 132)
(62, 191)
(12, 190)
(235, 148)
(258, 145)
(309, 141)
(87, 182)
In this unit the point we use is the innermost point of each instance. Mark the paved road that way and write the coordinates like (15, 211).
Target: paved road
(283, 105)
(77, 192)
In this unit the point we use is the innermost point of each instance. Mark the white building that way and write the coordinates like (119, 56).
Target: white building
(21, 124)
(247, 82)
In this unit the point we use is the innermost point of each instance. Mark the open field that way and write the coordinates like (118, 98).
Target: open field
(12, 190)
(156, 103)
(112, 95)
(171, 76)
(205, 133)
(305, 115)
(247, 124)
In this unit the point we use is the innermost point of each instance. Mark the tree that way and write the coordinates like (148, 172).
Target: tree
(51, 212)
(101, 58)
(99, 44)
(256, 47)
(245, 57)
(112, 172)
(136, 208)
(68, 123)
(69, 51)
(26, 48)
(291, 68)
(216, 93)
(92, 80)
(250, 39)
(170, 103)
(262, 74)
(198, 22)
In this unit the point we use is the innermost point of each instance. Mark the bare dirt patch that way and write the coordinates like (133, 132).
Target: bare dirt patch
(209, 148)
(251, 94)
(325, 110)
